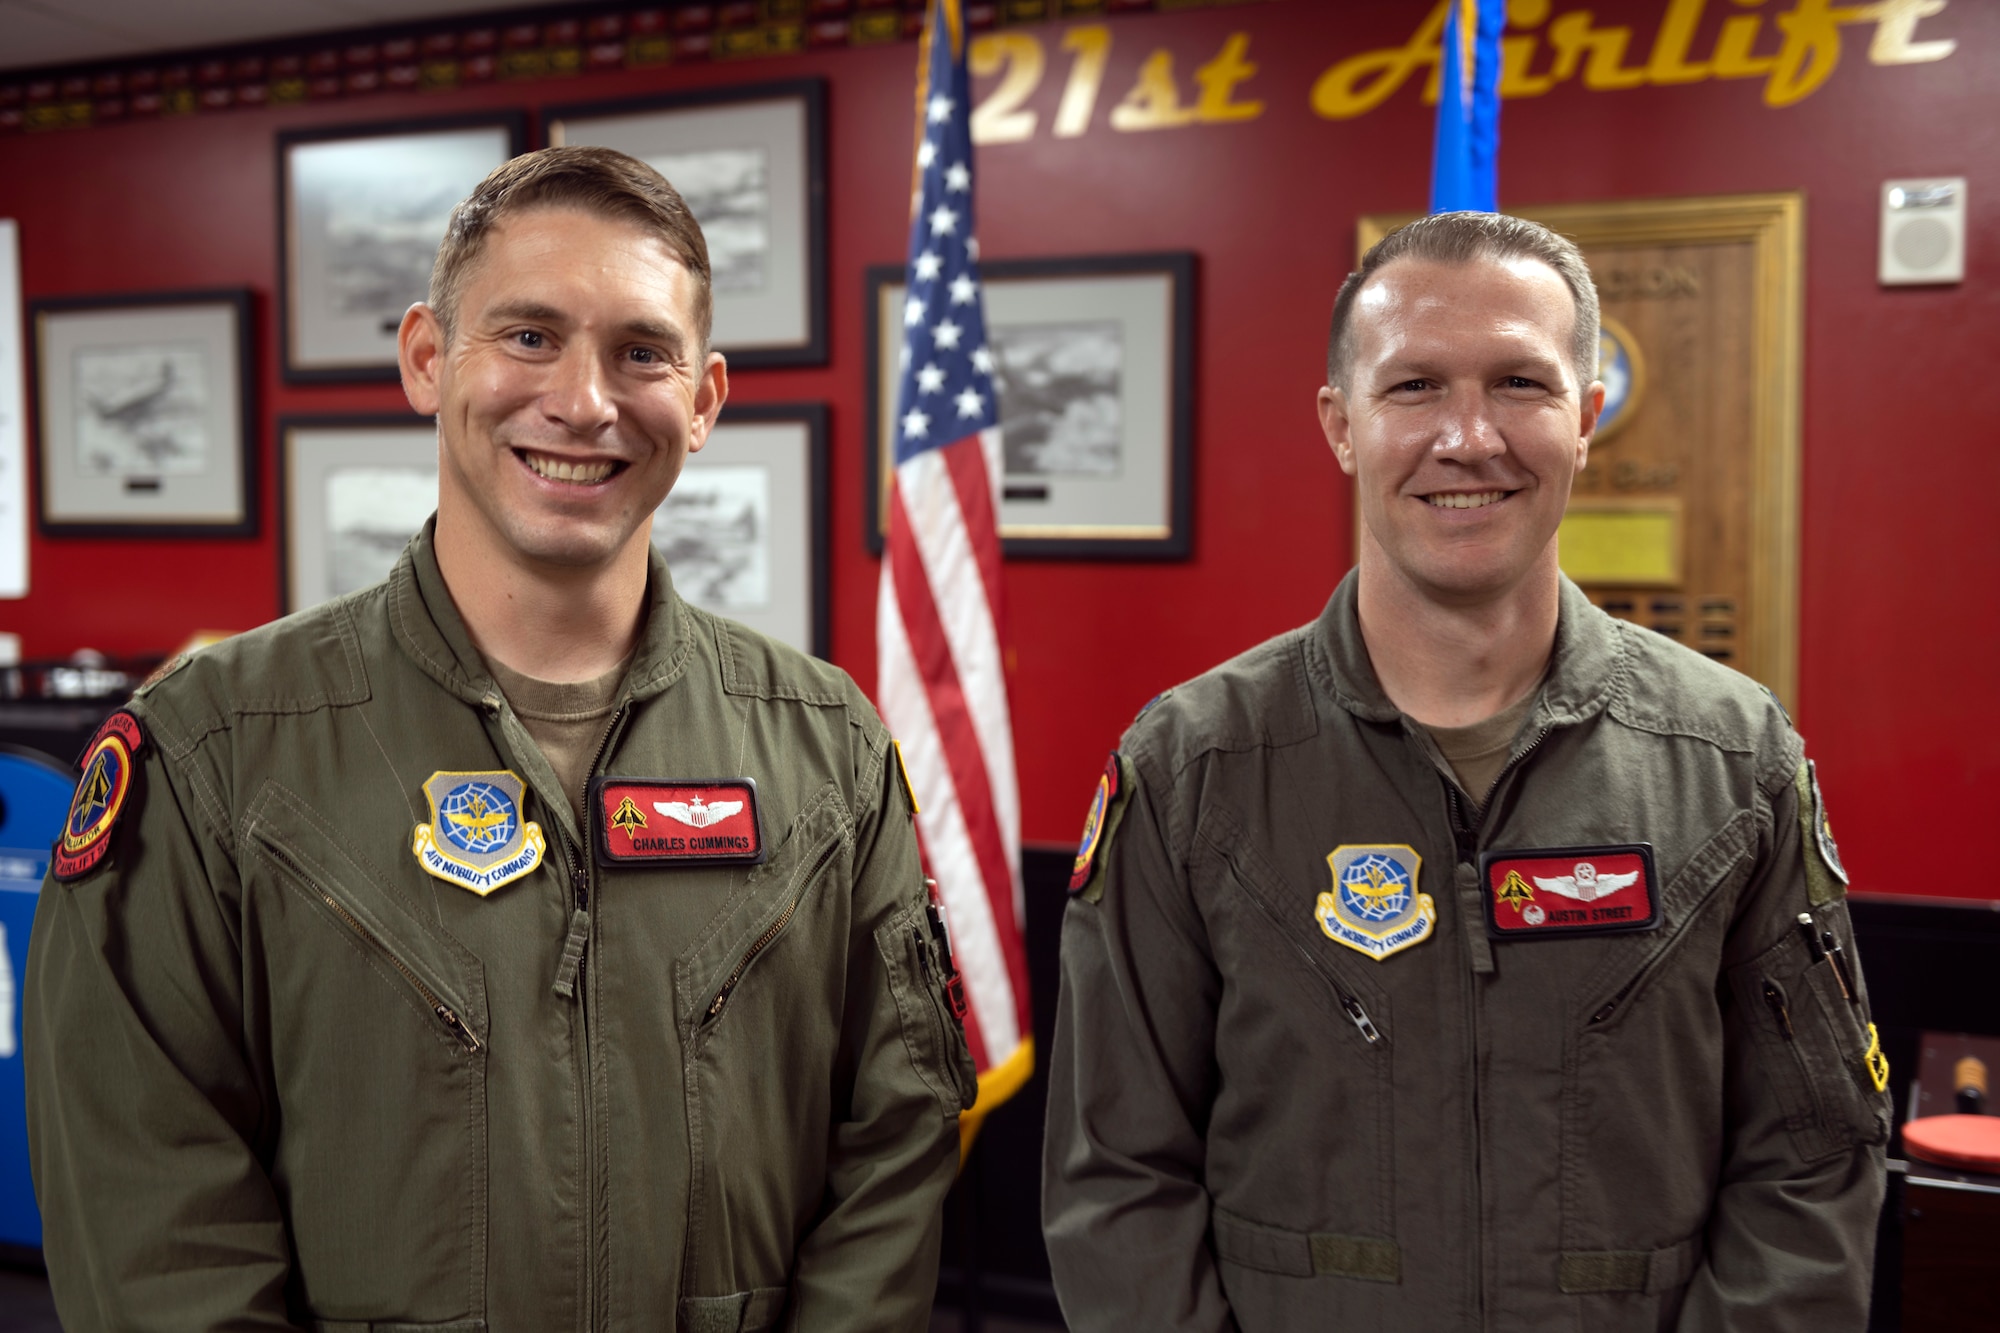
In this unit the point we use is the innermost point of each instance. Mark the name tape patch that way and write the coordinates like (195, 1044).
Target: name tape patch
(700, 821)
(107, 779)
(1540, 892)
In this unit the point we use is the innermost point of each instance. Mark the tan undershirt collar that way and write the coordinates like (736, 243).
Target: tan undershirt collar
(1477, 753)
(567, 721)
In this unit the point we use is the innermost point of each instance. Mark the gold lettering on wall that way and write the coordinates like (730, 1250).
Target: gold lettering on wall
(1000, 119)
(1092, 45)
(1795, 53)
(1155, 101)
(1809, 47)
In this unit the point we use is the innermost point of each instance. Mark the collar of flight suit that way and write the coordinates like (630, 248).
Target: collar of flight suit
(1586, 670)
(428, 628)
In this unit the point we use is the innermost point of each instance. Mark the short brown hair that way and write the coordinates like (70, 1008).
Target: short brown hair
(601, 181)
(1461, 238)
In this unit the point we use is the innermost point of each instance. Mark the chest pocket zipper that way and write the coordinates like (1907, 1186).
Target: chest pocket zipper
(449, 1017)
(1349, 1003)
(770, 933)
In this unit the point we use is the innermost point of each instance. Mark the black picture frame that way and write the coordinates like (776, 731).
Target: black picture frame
(232, 347)
(813, 416)
(292, 472)
(808, 345)
(1171, 538)
(296, 364)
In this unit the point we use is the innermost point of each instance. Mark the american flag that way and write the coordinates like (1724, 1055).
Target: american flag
(942, 689)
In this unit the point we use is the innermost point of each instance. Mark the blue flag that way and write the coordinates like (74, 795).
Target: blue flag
(1464, 164)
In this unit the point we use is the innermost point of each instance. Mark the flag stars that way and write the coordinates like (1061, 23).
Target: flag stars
(946, 335)
(939, 111)
(957, 177)
(982, 360)
(970, 404)
(963, 289)
(929, 266)
(926, 153)
(930, 378)
(916, 425)
(913, 311)
(944, 221)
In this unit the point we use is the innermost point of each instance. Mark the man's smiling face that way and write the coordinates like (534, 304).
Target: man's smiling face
(1462, 422)
(572, 391)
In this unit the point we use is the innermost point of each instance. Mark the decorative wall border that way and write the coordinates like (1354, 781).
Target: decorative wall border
(448, 54)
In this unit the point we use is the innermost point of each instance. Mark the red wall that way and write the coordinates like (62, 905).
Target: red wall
(1897, 686)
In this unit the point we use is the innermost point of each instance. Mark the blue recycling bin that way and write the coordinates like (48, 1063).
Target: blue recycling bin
(34, 797)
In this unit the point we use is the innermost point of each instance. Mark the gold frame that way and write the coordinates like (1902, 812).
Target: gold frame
(1774, 224)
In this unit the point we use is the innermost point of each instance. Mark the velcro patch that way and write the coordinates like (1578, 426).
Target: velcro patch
(107, 766)
(676, 821)
(1543, 892)
(1110, 785)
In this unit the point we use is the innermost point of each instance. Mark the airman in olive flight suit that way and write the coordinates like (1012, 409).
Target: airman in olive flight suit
(348, 1011)
(1465, 959)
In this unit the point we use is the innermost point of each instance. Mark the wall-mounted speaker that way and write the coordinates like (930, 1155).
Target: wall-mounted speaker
(1923, 231)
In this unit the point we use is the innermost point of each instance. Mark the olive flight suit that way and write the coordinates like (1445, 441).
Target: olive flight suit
(1266, 1113)
(279, 1074)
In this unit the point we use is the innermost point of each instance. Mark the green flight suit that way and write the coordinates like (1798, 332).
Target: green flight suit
(279, 1075)
(1255, 1126)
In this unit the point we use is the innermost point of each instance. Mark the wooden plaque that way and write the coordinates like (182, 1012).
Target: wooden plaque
(1686, 519)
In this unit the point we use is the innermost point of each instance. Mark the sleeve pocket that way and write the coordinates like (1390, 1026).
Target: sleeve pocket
(916, 978)
(1815, 1045)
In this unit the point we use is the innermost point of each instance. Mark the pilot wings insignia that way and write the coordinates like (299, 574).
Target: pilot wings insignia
(697, 814)
(1586, 885)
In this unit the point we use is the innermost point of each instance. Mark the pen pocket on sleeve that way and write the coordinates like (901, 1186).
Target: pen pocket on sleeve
(1815, 1044)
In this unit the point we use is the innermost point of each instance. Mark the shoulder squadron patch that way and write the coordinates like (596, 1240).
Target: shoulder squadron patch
(1107, 808)
(1375, 907)
(1823, 859)
(107, 779)
(1540, 892)
(676, 821)
(476, 838)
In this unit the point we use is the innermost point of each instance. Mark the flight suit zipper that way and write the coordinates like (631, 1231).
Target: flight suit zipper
(770, 932)
(596, 1175)
(1349, 1004)
(1465, 839)
(446, 1015)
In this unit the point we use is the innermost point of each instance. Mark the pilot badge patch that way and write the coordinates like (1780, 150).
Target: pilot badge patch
(1539, 892)
(476, 838)
(107, 780)
(676, 821)
(1374, 906)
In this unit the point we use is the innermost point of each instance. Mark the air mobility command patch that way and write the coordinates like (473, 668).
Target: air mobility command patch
(1826, 877)
(1374, 906)
(476, 838)
(676, 821)
(1542, 892)
(1107, 809)
(107, 766)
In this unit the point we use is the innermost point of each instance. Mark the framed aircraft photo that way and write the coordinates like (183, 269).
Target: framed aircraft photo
(145, 415)
(352, 491)
(750, 161)
(361, 210)
(1093, 361)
